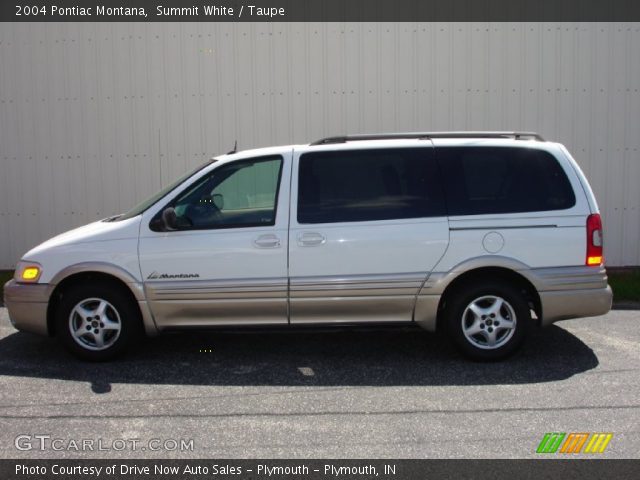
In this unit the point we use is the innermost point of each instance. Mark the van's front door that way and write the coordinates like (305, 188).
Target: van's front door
(367, 227)
(226, 261)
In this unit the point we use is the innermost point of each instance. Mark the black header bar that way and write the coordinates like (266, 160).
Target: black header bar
(321, 11)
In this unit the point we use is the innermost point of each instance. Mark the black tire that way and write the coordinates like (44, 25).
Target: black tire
(469, 309)
(119, 308)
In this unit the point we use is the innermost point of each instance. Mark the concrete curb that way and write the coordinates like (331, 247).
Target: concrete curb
(626, 306)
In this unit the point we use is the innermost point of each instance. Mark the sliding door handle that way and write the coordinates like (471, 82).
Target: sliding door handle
(311, 239)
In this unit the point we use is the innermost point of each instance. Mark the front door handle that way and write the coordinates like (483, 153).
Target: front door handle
(311, 239)
(267, 241)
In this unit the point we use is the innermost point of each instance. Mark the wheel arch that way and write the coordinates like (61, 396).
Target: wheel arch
(104, 274)
(479, 274)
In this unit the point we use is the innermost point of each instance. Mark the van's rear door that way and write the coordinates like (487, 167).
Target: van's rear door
(367, 225)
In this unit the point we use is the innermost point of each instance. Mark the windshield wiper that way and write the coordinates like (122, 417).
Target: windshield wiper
(113, 218)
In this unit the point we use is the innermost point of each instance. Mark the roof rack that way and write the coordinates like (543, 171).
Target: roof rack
(428, 136)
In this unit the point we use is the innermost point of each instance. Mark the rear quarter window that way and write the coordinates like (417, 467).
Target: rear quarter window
(488, 180)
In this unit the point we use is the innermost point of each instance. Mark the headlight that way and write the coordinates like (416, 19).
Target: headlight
(27, 272)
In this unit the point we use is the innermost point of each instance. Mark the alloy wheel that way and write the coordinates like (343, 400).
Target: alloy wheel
(489, 322)
(95, 324)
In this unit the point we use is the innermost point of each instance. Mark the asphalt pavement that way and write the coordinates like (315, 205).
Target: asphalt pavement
(346, 394)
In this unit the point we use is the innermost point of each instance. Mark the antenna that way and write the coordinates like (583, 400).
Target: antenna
(235, 148)
(160, 158)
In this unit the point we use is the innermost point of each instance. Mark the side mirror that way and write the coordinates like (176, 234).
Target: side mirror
(218, 200)
(170, 219)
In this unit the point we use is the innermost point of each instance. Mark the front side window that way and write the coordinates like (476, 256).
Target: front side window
(238, 194)
(368, 185)
(493, 180)
(143, 206)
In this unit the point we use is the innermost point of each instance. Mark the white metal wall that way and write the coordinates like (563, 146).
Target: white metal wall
(95, 117)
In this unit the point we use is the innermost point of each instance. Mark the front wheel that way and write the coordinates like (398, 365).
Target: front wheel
(97, 322)
(488, 321)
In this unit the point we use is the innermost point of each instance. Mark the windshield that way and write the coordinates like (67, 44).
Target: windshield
(141, 207)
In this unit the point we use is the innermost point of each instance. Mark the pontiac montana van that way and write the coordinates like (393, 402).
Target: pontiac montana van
(482, 234)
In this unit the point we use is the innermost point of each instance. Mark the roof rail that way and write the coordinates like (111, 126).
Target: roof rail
(427, 136)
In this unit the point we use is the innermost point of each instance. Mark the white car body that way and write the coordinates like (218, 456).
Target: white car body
(381, 271)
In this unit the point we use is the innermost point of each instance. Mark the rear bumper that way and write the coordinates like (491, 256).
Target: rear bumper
(565, 304)
(572, 292)
(27, 306)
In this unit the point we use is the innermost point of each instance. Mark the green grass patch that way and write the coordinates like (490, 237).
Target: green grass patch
(625, 285)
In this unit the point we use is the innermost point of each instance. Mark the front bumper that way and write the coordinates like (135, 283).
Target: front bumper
(27, 306)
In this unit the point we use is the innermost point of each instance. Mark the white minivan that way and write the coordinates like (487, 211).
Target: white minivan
(483, 234)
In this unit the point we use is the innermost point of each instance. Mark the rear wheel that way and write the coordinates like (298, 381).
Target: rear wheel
(97, 322)
(488, 321)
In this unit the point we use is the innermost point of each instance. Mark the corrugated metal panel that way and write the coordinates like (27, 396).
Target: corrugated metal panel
(95, 117)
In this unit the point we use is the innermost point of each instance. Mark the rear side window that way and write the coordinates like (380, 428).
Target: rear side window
(367, 185)
(486, 180)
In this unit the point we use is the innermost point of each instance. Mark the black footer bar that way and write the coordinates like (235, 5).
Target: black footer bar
(171, 469)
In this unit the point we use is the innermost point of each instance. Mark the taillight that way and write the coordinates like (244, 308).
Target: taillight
(594, 240)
